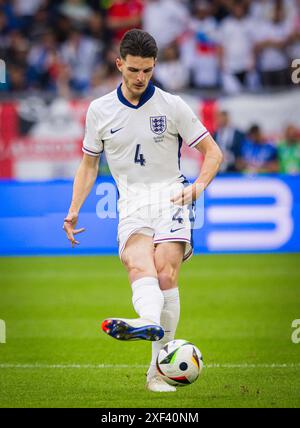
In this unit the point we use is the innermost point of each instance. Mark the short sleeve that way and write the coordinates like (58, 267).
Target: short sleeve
(92, 143)
(189, 127)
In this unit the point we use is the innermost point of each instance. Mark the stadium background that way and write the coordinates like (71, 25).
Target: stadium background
(220, 56)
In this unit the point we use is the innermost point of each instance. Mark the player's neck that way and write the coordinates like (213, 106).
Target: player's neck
(129, 95)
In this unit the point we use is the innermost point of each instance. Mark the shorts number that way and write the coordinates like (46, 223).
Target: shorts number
(139, 157)
(178, 216)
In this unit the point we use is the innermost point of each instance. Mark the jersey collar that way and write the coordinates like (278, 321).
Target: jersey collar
(149, 92)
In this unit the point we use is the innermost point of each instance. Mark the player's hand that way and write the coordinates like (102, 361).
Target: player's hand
(69, 227)
(188, 194)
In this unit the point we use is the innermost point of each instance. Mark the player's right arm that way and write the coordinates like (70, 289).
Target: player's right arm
(86, 173)
(83, 183)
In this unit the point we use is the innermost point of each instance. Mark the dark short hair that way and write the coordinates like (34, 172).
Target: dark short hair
(254, 129)
(138, 43)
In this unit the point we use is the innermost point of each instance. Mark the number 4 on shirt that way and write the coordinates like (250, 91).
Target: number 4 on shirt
(139, 157)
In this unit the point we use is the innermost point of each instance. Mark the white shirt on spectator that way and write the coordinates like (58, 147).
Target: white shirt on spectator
(28, 7)
(165, 20)
(199, 52)
(236, 38)
(173, 75)
(263, 9)
(81, 59)
(272, 59)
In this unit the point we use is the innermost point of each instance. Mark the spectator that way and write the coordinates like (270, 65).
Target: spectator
(165, 20)
(81, 54)
(103, 81)
(236, 53)
(273, 63)
(64, 81)
(200, 50)
(28, 7)
(170, 71)
(16, 79)
(42, 20)
(214, 37)
(9, 16)
(230, 141)
(25, 11)
(59, 123)
(257, 155)
(96, 27)
(261, 10)
(221, 9)
(63, 28)
(106, 77)
(3, 33)
(17, 49)
(289, 151)
(124, 15)
(293, 41)
(43, 62)
(77, 11)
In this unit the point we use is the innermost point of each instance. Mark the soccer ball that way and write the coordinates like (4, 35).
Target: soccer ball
(179, 362)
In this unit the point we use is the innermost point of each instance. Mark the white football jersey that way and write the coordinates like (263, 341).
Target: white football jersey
(142, 143)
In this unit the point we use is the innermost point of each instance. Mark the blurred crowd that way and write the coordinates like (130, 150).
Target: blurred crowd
(252, 152)
(69, 46)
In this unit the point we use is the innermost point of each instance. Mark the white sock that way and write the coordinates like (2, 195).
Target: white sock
(168, 320)
(147, 298)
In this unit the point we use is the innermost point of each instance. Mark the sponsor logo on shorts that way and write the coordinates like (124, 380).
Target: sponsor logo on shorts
(176, 230)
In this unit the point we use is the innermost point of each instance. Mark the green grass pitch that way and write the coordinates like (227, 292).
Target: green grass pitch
(238, 309)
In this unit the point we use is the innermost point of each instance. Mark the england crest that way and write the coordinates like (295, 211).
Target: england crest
(158, 124)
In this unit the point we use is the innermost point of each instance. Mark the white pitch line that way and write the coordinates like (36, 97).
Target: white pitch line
(140, 366)
(254, 366)
(71, 366)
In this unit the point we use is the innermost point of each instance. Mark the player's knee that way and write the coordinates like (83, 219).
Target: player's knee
(137, 272)
(167, 277)
(138, 267)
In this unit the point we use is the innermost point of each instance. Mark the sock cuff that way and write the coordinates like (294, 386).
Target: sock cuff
(171, 294)
(146, 280)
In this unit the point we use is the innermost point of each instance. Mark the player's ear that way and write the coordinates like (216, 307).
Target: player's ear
(119, 63)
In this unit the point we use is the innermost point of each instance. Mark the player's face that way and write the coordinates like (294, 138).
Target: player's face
(136, 72)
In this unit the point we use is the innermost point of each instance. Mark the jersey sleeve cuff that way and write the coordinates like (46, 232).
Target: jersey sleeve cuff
(91, 152)
(197, 140)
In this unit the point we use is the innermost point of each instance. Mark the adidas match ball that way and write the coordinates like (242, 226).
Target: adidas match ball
(179, 363)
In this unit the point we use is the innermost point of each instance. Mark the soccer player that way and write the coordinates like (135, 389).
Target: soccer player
(141, 128)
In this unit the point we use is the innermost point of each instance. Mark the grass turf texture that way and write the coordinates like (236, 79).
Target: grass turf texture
(237, 309)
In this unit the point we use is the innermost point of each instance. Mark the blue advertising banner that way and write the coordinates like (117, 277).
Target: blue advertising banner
(236, 214)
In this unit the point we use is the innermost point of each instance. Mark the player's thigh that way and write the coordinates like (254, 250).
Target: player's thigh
(168, 258)
(138, 255)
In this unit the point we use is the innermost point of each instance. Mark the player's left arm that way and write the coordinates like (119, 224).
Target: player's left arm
(213, 159)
